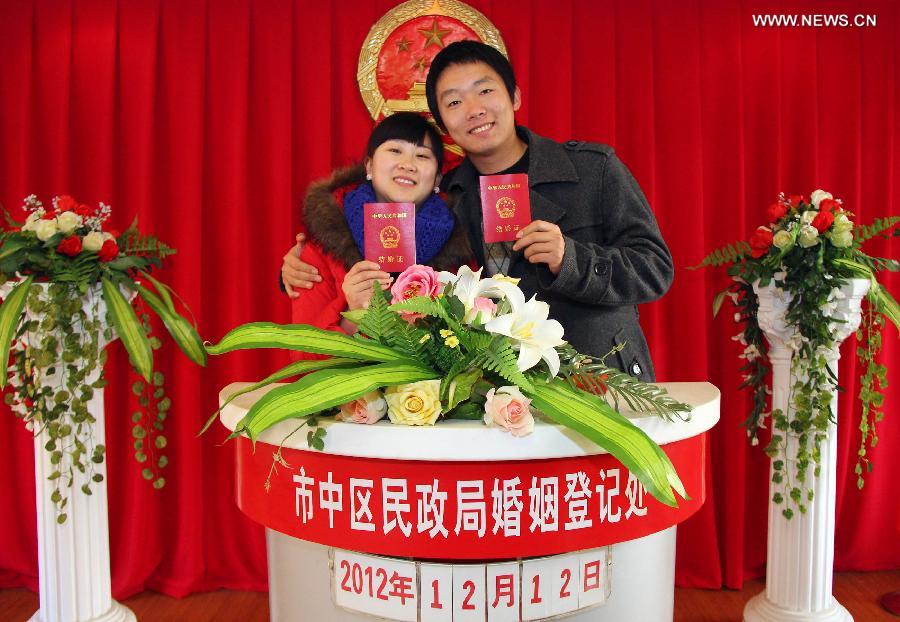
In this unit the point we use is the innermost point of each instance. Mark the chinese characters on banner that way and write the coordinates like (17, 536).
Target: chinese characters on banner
(462, 510)
(532, 589)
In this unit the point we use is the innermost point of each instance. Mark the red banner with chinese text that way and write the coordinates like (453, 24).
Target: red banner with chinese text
(461, 510)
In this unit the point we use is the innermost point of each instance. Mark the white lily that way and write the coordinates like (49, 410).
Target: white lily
(468, 286)
(536, 336)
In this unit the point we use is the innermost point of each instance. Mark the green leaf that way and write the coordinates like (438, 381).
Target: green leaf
(129, 329)
(181, 330)
(10, 312)
(462, 390)
(162, 288)
(327, 388)
(304, 338)
(294, 369)
(597, 421)
(718, 300)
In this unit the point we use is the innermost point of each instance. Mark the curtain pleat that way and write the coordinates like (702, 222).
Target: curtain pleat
(208, 120)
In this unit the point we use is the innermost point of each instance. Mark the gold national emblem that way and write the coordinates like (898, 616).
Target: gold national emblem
(506, 207)
(396, 55)
(390, 237)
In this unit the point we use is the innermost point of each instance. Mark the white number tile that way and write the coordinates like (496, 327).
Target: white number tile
(468, 593)
(436, 592)
(594, 585)
(536, 586)
(564, 580)
(503, 592)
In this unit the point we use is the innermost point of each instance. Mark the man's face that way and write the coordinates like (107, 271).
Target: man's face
(477, 110)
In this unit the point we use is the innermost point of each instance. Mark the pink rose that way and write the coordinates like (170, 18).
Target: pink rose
(508, 408)
(369, 408)
(415, 281)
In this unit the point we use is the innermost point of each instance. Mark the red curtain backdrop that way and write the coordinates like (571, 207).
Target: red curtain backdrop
(207, 120)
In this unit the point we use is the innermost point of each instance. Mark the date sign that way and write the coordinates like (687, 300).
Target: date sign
(532, 589)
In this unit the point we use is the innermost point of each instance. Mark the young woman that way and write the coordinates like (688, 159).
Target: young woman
(402, 165)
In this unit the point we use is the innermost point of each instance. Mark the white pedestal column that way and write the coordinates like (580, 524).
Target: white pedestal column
(73, 557)
(800, 556)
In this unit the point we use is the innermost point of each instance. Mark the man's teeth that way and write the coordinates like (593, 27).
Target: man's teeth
(481, 128)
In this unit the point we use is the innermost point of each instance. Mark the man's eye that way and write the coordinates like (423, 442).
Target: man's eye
(486, 91)
(453, 103)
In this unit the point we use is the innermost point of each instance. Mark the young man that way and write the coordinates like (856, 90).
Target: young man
(593, 250)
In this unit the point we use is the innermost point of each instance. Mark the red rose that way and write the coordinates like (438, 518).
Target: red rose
(822, 221)
(776, 211)
(109, 251)
(760, 242)
(65, 203)
(70, 246)
(84, 210)
(829, 205)
(796, 199)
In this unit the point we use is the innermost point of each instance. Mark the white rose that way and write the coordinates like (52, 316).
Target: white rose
(808, 216)
(68, 222)
(809, 236)
(783, 239)
(841, 239)
(31, 222)
(46, 229)
(93, 241)
(816, 197)
(108, 236)
(842, 224)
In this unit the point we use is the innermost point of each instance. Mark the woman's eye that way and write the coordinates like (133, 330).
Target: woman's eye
(394, 149)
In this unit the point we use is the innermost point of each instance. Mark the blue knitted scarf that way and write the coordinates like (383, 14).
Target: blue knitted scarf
(434, 222)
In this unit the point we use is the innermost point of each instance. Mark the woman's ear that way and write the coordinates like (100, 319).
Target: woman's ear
(437, 179)
(368, 165)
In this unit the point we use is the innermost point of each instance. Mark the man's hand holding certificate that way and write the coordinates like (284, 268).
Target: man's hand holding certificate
(506, 210)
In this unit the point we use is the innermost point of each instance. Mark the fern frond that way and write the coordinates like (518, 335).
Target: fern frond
(725, 255)
(501, 359)
(136, 244)
(639, 396)
(878, 226)
(421, 304)
(378, 319)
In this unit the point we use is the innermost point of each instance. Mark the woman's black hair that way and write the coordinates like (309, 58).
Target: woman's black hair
(410, 127)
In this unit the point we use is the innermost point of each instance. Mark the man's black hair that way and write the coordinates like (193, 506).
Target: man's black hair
(461, 53)
(410, 127)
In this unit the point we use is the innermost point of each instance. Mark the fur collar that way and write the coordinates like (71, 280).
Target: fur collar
(323, 216)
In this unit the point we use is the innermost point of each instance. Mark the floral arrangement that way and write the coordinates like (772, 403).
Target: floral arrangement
(446, 345)
(809, 249)
(67, 285)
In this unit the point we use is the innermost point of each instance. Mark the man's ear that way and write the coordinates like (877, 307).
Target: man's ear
(517, 99)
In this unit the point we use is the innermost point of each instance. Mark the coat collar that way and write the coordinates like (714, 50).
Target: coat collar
(548, 162)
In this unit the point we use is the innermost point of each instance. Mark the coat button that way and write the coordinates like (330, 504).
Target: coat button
(598, 269)
(636, 369)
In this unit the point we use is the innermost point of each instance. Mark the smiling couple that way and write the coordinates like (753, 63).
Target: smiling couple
(593, 250)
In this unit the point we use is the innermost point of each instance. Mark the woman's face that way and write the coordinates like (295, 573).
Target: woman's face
(403, 172)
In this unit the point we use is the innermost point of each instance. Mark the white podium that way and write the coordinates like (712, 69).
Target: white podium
(308, 528)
